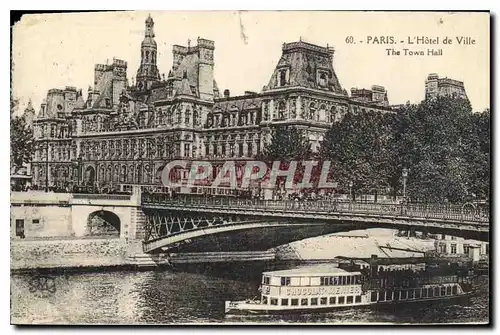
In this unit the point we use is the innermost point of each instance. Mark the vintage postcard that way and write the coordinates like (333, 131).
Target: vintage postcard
(267, 167)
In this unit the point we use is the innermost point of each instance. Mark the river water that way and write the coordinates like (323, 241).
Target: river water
(194, 296)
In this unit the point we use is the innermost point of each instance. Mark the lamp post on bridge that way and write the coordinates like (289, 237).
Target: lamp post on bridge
(405, 177)
(350, 189)
(404, 174)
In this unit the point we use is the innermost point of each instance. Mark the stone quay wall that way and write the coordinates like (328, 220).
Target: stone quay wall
(69, 253)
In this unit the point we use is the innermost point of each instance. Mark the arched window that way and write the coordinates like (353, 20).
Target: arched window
(101, 174)
(187, 117)
(99, 123)
(147, 174)
(116, 176)
(282, 78)
(169, 116)
(321, 115)
(138, 174)
(147, 56)
(195, 118)
(281, 110)
(332, 116)
(123, 176)
(108, 174)
(312, 110)
(240, 149)
(323, 81)
(179, 116)
(210, 120)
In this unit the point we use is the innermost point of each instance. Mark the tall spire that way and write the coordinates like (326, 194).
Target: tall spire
(148, 71)
(149, 32)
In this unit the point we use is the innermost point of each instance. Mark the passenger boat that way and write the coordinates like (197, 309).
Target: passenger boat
(330, 286)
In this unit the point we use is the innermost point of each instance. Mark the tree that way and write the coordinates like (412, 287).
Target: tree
(479, 155)
(21, 142)
(434, 140)
(444, 145)
(287, 143)
(357, 147)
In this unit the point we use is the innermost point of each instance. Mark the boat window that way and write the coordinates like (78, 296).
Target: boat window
(358, 279)
(341, 300)
(314, 301)
(430, 292)
(323, 281)
(411, 294)
(323, 301)
(350, 299)
(381, 296)
(284, 302)
(335, 280)
(404, 294)
(303, 302)
(418, 293)
(424, 292)
(443, 290)
(285, 281)
(332, 281)
(348, 280)
(396, 295)
(295, 302)
(266, 280)
(454, 289)
(358, 298)
(333, 300)
(264, 300)
(274, 301)
(436, 291)
(342, 280)
(374, 296)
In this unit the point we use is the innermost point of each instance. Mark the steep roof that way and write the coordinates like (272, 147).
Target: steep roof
(80, 103)
(188, 68)
(303, 60)
(105, 91)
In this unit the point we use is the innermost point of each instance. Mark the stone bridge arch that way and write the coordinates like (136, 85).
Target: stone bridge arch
(103, 223)
(119, 217)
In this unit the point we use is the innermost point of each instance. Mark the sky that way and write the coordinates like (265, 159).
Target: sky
(58, 50)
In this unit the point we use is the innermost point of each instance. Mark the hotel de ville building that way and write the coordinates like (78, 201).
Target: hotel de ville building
(121, 133)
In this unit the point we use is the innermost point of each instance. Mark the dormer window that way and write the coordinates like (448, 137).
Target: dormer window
(283, 77)
(322, 79)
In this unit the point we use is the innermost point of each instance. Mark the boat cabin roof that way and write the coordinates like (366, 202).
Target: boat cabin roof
(312, 271)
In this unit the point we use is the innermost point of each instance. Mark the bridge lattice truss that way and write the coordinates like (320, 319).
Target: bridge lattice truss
(161, 223)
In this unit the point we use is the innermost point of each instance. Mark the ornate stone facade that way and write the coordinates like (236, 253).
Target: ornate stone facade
(125, 134)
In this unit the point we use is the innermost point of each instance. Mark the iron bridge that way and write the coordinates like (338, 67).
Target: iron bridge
(171, 221)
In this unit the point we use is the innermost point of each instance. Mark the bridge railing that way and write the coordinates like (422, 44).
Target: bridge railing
(101, 196)
(425, 211)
